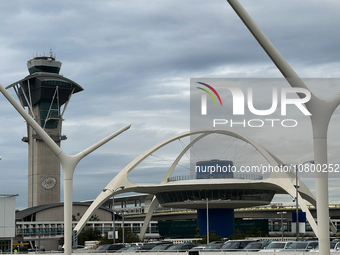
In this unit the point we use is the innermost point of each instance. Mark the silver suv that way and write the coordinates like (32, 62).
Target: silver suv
(302, 246)
(276, 246)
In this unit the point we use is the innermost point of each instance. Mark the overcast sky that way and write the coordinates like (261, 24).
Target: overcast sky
(135, 59)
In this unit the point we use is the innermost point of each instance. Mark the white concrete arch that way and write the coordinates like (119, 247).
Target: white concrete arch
(154, 202)
(284, 183)
(121, 179)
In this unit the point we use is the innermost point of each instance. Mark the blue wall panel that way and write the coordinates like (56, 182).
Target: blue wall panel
(220, 220)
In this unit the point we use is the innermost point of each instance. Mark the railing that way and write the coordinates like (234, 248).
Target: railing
(235, 176)
(60, 231)
(37, 231)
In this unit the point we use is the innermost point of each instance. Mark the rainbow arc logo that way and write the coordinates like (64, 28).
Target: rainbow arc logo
(204, 97)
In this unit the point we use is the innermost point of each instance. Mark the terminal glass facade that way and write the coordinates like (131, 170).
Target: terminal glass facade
(218, 194)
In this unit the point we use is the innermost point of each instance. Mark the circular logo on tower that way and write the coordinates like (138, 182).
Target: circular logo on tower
(49, 183)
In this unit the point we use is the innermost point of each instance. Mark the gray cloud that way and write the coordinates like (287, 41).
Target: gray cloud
(134, 60)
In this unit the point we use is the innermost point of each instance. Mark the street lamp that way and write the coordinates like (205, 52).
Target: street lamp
(207, 221)
(282, 223)
(113, 209)
(123, 232)
(297, 197)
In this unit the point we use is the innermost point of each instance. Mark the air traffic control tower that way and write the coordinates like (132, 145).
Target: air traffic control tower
(46, 94)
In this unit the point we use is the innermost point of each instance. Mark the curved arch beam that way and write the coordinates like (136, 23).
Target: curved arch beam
(174, 164)
(121, 179)
(282, 181)
(304, 192)
(155, 202)
(148, 217)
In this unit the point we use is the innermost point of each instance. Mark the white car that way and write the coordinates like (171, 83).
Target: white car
(197, 248)
(335, 247)
(276, 246)
(302, 246)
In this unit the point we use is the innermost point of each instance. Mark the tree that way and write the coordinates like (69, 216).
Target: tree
(237, 235)
(94, 217)
(212, 237)
(253, 232)
(197, 230)
(89, 235)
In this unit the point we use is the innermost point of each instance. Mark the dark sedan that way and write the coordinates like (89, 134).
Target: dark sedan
(109, 248)
(181, 247)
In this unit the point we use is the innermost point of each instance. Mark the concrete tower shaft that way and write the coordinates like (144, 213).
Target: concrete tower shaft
(43, 166)
(45, 94)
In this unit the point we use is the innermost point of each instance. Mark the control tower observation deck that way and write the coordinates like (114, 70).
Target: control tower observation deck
(46, 94)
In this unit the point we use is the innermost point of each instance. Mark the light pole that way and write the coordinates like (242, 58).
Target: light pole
(297, 197)
(297, 228)
(113, 210)
(282, 230)
(207, 221)
(123, 232)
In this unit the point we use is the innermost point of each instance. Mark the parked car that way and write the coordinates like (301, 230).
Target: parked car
(129, 249)
(109, 247)
(301, 246)
(276, 246)
(213, 247)
(78, 248)
(181, 247)
(124, 249)
(201, 247)
(160, 247)
(215, 242)
(334, 246)
(136, 244)
(234, 245)
(256, 246)
(149, 246)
